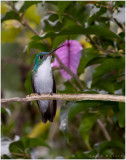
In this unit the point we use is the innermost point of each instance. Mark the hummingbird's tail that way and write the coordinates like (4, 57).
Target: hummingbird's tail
(50, 112)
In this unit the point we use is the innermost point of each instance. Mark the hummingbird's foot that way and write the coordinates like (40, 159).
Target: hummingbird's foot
(32, 94)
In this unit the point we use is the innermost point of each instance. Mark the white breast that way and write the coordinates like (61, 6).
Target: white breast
(43, 82)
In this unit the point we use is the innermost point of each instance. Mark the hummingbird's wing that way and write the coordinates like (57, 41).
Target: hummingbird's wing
(51, 109)
(32, 81)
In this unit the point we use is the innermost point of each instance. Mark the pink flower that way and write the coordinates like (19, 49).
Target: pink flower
(70, 55)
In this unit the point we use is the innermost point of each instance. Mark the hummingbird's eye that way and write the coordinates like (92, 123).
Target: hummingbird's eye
(40, 56)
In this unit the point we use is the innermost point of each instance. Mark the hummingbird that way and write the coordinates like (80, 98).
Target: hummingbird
(43, 82)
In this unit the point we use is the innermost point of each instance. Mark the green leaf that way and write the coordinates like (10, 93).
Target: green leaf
(96, 15)
(85, 155)
(5, 156)
(68, 88)
(95, 30)
(10, 15)
(103, 149)
(88, 54)
(121, 115)
(119, 4)
(3, 110)
(103, 84)
(75, 29)
(87, 123)
(25, 143)
(27, 4)
(107, 107)
(17, 147)
(78, 13)
(79, 155)
(105, 75)
(51, 23)
(81, 106)
(108, 153)
(100, 147)
(37, 45)
(33, 142)
(108, 65)
(58, 40)
(62, 5)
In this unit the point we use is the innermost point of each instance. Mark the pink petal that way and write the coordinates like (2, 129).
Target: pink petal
(70, 55)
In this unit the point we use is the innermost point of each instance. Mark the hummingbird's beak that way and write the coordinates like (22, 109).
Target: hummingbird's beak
(55, 50)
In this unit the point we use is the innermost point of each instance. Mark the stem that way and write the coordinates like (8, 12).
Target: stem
(74, 85)
(99, 48)
(104, 130)
(20, 154)
(70, 72)
(67, 97)
(119, 24)
(25, 23)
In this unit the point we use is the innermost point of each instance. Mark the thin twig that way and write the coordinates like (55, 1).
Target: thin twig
(100, 5)
(114, 19)
(119, 24)
(70, 72)
(67, 97)
(25, 23)
(20, 154)
(65, 14)
(104, 130)
(98, 47)
(110, 9)
(74, 85)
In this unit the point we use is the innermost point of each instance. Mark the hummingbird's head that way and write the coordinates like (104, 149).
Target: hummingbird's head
(42, 56)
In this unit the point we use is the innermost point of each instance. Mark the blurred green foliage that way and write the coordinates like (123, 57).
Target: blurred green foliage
(76, 134)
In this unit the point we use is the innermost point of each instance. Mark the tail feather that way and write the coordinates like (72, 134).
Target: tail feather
(50, 112)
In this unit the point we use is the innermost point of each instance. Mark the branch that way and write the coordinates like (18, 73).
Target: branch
(67, 97)
(104, 130)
